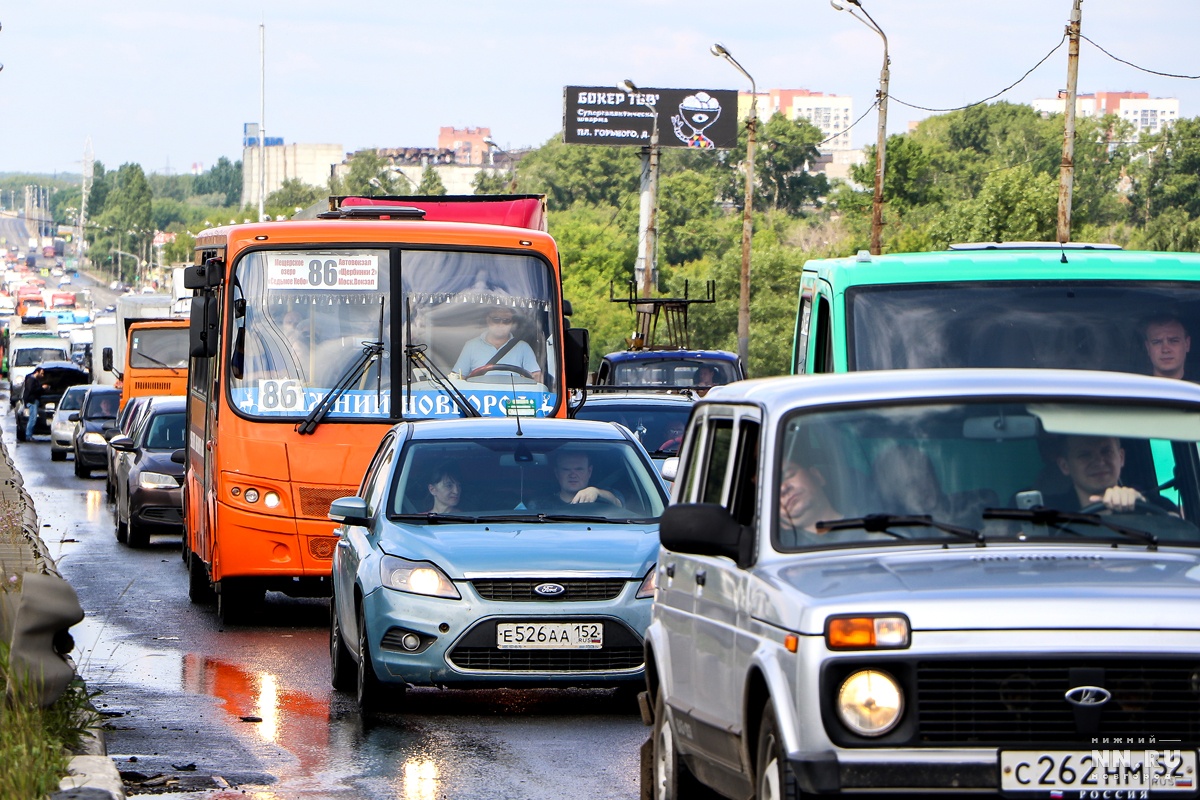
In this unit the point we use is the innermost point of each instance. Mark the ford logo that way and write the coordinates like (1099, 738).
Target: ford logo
(1088, 696)
(549, 589)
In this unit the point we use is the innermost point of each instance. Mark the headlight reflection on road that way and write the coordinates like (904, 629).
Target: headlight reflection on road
(95, 505)
(420, 780)
(268, 706)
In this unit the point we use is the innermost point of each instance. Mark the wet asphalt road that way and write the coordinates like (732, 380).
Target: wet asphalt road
(251, 709)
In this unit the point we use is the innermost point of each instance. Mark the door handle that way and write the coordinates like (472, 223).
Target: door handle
(701, 577)
(670, 570)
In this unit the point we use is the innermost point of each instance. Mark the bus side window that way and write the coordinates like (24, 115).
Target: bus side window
(823, 354)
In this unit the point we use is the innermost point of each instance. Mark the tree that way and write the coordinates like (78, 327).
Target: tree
(293, 194)
(785, 149)
(588, 174)
(490, 182)
(1014, 205)
(368, 174)
(223, 178)
(431, 183)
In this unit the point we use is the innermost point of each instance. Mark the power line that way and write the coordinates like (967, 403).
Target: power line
(994, 96)
(1136, 66)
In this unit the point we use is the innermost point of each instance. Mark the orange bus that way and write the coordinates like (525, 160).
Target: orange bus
(309, 339)
(156, 358)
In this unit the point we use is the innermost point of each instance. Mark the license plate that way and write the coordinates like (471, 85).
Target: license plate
(1079, 773)
(550, 635)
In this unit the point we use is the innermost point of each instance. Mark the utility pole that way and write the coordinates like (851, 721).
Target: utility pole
(648, 208)
(1066, 174)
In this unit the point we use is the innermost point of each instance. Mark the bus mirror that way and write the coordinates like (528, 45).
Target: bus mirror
(202, 331)
(567, 310)
(576, 356)
(204, 276)
(106, 359)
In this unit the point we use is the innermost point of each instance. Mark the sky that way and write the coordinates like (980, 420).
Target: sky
(169, 84)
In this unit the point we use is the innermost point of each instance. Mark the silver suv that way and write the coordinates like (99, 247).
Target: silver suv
(967, 581)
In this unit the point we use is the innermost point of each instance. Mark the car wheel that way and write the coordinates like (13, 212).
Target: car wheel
(80, 470)
(110, 491)
(373, 695)
(121, 527)
(772, 777)
(342, 672)
(138, 535)
(238, 600)
(21, 431)
(672, 779)
(200, 590)
(58, 455)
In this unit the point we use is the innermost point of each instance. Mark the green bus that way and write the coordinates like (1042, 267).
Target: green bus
(1031, 304)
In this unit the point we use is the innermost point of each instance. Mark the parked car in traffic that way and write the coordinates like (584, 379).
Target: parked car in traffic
(99, 411)
(62, 427)
(463, 561)
(149, 479)
(57, 377)
(931, 582)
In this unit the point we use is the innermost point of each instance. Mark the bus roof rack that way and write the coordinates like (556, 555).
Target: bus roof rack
(374, 212)
(1034, 246)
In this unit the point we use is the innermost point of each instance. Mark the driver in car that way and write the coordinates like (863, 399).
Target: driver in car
(573, 471)
(496, 348)
(1093, 464)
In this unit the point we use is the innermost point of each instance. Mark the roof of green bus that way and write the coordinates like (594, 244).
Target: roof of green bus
(1006, 265)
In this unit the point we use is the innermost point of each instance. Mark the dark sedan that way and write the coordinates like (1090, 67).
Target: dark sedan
(131, 414)
(99, 412)
(148, 480)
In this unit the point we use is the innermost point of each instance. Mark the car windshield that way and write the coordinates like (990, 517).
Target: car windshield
(959, 472)
(32, 356)
(524, 479)
(673, 372)
(658, 427)
(101, 405)
(166, 431)
(72, 399)
(1044, 324)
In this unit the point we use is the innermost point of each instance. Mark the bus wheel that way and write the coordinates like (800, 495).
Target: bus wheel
(238, 599)
(200, 591)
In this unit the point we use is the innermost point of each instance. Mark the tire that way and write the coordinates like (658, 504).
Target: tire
(121, 528)
(672, 779)
(139, 536)
(372, 694)
(239, 600)
(200, 590)
(773, 779)
(58, 455)
(80, 470)
(342, 672)
(21, 431)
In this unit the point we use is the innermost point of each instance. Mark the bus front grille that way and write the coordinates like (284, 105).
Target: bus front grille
(315, 501)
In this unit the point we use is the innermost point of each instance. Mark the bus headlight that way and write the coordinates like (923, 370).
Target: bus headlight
(870, 702)
(416, 578)
(271, 500)
(157, 480)
(251, 495)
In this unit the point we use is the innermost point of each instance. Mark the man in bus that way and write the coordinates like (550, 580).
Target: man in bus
(496, 347)
(1167, 345)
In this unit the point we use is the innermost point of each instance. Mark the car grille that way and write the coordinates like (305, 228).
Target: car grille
(164, 516)
(522, 590)
(1022, 701)
(603, 660)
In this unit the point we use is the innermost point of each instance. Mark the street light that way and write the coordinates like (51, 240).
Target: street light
(512, 166)
(648, 211)
(881, 145)
(743, 326)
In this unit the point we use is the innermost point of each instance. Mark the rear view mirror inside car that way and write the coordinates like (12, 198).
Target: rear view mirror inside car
(1001, 426)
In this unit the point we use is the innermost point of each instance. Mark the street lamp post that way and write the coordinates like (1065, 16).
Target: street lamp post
(743, 325)
(881, 144)
(512, 166)
(648, 210)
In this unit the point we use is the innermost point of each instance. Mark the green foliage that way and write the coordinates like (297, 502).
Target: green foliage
(1013, 205)
(181, 250)
(223, 178)
(431, 183)
(569, 174)
(490, 182)
(292, 195)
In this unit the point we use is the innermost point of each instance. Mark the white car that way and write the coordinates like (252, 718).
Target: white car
(62, 427)
(904, 582)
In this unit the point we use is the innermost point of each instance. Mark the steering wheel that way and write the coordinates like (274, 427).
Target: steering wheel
(486, 368)
(1138, 505)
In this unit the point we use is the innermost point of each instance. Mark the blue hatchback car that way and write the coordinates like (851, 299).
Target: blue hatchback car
(484, 552)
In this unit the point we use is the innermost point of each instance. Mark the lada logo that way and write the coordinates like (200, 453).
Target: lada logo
(1088, 696)
(549, 589)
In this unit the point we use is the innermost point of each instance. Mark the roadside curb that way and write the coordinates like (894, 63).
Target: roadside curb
(91, 775)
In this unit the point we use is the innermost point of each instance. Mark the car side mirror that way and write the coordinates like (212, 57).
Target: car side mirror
(670, 469)
(179, 456)
(123, 443)
(705, 529)
(349, 510)
(74, 417)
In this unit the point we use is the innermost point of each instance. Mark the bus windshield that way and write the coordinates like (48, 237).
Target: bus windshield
(349, 326)
(1104, 325)
(156, 348)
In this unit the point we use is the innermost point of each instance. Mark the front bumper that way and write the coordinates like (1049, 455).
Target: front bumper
(158, 508)
(458, 640)
(91, 455)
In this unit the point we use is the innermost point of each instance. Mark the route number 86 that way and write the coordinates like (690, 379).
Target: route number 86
(322, 274)
(285, 395)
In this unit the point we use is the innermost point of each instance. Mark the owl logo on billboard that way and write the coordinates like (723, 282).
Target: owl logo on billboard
(696, 113)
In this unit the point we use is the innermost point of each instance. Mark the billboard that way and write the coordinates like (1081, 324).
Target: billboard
(703, 119)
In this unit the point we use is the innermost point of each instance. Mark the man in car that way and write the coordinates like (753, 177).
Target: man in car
(1167, 345)
(497, 347)
(1094, 463)
(573, 471)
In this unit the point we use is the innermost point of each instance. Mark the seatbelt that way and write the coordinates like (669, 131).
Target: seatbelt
(499, 354)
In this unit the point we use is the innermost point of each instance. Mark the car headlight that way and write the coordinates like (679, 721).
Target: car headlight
(94, 438)
(648, 583)
(416, 578)
(870, 702)
(157, 480)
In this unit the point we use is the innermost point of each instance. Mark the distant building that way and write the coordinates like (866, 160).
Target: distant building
(1147, 114)
(310, 163)
(832, 114)
(467, 143)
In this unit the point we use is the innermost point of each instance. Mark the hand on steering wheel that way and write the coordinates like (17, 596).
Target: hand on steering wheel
(1139, 506)
(486, 368)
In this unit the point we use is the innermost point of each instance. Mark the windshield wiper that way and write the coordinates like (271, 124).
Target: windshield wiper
(416, 355)
(160, 363)
(371, 351)
(1041, 515)
(431, 516)
(882, 523)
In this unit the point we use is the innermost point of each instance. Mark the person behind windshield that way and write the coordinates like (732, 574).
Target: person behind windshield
(705, 378)
(573, 472)
(1093, 464)
(107, 407)
(907, 483)
(1167, 345)
(674, 438)
(803, 500)
(497, 346)
(445, 485)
